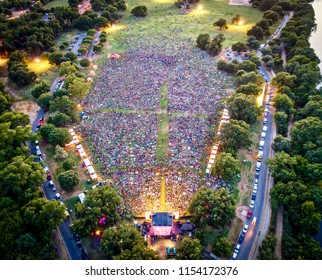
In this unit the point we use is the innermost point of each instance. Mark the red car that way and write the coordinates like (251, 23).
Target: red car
(49, 177)
(249, 214)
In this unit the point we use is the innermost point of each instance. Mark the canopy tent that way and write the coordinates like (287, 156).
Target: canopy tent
(87, 162)
(81, 197)
(94, 177)
(90, 169)
(83, 155)
(79, 146)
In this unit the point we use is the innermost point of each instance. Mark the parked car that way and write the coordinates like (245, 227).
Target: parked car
(241, 238)
(58, 196)
(252, 204)
(237, 248)
(49, 177)
(245, 229)
(46, 169)
(249, 213)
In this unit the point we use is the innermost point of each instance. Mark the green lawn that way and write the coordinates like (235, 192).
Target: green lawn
(164, 18)
(56, 3)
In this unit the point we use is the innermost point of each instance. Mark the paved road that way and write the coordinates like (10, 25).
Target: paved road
(262, 209)
(73, 251)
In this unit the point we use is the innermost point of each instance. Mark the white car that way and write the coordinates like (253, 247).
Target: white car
(245, 229)
(265, 121)
(46, 169)
(237, 248)
(234, 256)
(255, 187)
(252, 203)
(58, 196)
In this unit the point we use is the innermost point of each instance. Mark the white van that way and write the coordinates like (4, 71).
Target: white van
(38, 151)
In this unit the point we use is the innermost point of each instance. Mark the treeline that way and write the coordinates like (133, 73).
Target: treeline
(297, 166)
(27, 219)
(31, 33)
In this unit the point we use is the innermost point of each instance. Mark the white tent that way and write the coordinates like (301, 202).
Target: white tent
(87, 162)
(82, 154)
(211, 161)
(81, 197)
(94, 177)
(79, 146)
(90, 169)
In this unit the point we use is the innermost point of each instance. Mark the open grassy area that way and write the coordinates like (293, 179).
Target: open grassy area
(56, 3)
(164, 18)
(39, 65)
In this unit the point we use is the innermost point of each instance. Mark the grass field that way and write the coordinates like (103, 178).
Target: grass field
(39, 65)
(164, 17)
(56, 3)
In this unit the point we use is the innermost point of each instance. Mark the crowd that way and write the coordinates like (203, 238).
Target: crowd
(125, 143)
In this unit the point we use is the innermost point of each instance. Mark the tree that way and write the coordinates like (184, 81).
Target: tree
(60, 93)
(19, 174)
(99, 22)
(97, 48)
(140, 11)
(244, 107)
(59, 136)
(61, 119)
(267, 249)
(13, 140)
(307, 137)
(216, 44)
(249, 89)
(46, 129)
(283, 103)
(15, 118)
(236, 20)
(221, 23)
(139, 252)
(239, 47)
(79, 88)
(190, 249)
(244, 78)
(40, 88)
(71, 56)
(256, 32)
(84, 22)
(246, 65)
(281, 144)
(227, 168)
(252, 43)
(222, 247)
(60, 153)
(124, 237)
(67, 68)
(264, 24)
(282, 167)
(21, 76)
(98, 211)
(43, 215)
(5, 102)
(203, 41)
(235, 135)
(84, 62)
(283, 79)
(64, 105)
(55, 57)
(69, 164)
(212, 207)
(271, 15)
(310, 218)
(98, 5)
(68, 180)
(44, 100)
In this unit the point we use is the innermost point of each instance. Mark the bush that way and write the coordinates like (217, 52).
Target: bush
(69, 164)
(84, 62)
(140, 11)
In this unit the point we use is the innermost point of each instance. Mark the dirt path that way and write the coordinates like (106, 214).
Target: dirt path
(279, 232)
